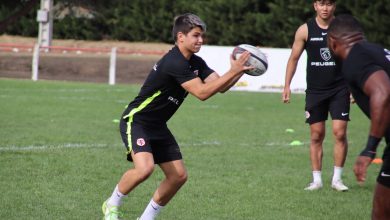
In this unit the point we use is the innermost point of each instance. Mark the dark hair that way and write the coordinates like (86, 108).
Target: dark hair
(322, 1)
(344, 24)
(185, 23)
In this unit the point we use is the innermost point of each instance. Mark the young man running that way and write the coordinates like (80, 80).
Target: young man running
(366, 68)
(326, 93)
(143, 124)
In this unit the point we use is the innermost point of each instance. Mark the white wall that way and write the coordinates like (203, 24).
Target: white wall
(217, 57)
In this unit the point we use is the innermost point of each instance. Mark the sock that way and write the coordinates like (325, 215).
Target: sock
(317, 176)
(116, 198)
(151, 211)
(337, 173)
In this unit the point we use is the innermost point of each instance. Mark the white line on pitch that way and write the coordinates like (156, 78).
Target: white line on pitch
(46, 147)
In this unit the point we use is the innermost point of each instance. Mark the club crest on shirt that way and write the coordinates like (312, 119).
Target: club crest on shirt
(196, 72)
(141, 142)
(325, 54)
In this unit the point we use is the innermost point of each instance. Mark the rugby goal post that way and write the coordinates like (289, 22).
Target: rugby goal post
(112, 71)
(35, 63)
(36, 54)
(45, 19)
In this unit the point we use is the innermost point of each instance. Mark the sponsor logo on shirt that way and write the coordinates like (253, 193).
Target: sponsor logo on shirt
(323, 63)
(388, 52)
(196, 72)
(316, 39)
(155, 67)
(174, 100)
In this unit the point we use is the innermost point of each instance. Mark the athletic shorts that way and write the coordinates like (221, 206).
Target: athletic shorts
(156, 140)
(384, 174)
(318, 106)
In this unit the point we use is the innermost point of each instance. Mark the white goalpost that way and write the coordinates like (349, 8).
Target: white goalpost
(45, 20)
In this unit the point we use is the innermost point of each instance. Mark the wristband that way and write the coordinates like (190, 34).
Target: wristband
(372, 144)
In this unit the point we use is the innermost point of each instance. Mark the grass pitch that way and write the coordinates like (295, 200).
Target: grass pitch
(61, 156)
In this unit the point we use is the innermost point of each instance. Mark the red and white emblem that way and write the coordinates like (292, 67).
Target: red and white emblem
(307, 114)
(140, 142)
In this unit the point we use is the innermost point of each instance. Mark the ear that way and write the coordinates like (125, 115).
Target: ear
(180, 36)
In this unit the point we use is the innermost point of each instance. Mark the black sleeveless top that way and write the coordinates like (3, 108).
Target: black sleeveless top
(322, 72)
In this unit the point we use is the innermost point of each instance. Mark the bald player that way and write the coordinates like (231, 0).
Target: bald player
(366, 68)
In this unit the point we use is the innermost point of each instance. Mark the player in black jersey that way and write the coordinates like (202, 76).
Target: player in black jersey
(326, 92)
(144, 131)
(366, 68)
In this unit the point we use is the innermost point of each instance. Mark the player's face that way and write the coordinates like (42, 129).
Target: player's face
(193, 40)
(324, 9)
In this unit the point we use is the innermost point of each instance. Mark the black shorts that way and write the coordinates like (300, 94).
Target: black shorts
(157, 140)
(319, 105)
(384, 175)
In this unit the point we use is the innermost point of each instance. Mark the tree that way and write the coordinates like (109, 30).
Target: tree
(373, 16)
(22, 9)
(270, 23)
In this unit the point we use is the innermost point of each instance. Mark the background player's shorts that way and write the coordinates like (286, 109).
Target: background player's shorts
(157, 140)
(319, 105)
(384, 175)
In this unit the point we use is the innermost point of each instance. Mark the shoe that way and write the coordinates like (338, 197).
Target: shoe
(111, 212)
(314, 186)
(339, 186)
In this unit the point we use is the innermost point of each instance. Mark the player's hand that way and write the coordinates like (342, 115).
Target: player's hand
(286, 95)
(360, 168)
(240, 64)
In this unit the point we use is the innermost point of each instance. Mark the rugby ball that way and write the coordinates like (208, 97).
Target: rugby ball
(257, 59)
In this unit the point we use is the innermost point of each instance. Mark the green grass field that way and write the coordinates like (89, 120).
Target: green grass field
(61, 156)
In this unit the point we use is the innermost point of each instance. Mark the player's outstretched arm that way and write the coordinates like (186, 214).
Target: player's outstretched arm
(232, 83)
(204, 90)
(296, 51)
(215, 76)
(377, 87)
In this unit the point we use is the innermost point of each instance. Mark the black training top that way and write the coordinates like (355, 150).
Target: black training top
(363, 60)
(162, 94)
(322, 73)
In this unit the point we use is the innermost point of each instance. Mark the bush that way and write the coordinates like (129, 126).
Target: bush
(270, 23)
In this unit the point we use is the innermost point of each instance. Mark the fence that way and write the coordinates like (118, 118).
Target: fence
(112, 52)
(217, 57)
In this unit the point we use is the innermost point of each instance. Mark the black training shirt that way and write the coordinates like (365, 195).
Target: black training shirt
(363, 60)
(162, 94)
(322, 72)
